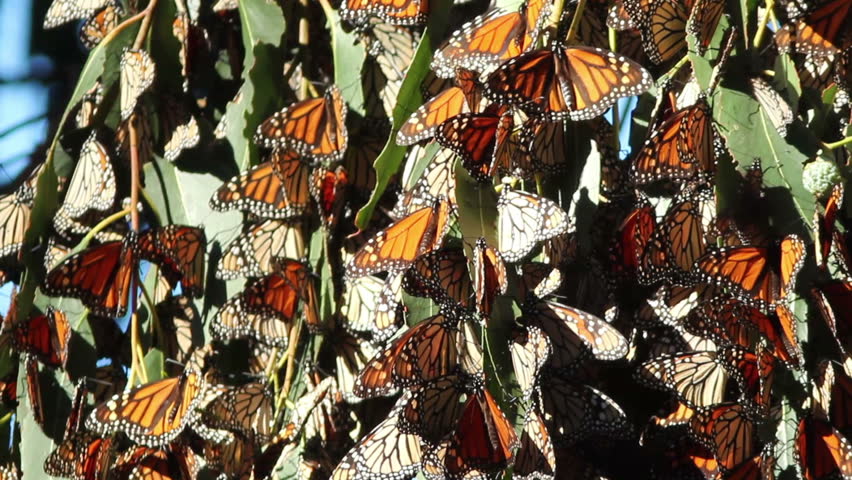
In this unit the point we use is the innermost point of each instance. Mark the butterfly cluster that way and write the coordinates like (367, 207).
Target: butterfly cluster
(241, 260)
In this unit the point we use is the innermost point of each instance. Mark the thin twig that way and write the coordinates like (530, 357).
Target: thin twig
(295, 331)
(837, 144)
(761, 28)
(304, 42)
(575, 21)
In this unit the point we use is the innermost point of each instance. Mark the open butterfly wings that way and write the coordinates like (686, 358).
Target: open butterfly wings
(99, 276)
(763, 277)
(577, 83)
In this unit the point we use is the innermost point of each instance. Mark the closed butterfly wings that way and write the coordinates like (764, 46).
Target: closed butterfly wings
(525, 220)
(400, 244)
(152, 414)
(278, 189)
(92, 188)
(425, 121)
(681, 148)
(64, 11)
(313, 128)
(137, 75)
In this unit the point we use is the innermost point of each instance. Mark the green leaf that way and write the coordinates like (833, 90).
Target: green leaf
(181, 197)
(477, 207)
(388, 162)
(349, 57)
(262, 26)
(750, 135)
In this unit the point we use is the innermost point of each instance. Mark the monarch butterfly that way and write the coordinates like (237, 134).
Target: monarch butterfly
(579, 83)
(441, 275)
(385, 452)
(489, 276)
(824, 225)
(89, 105)
(267, 305)
(662, 24)
(152, 414)
(535, 458)
(80, 455)
(823, 31)
(426, 351)
(699, 379)
(436, 184)
(173, 462)
(480, 139)
(539, 279)
(834, 300)
(425, 121)
(137, 71)
(179, 129)
(351, 354)
(144, 135)
(246, 409)
(64, 11)
(758, 467)
(633, 235)
(530, 349)
(44, 336)
(573, 412)
(524, 220)
(15, 211)
(779, 329)
(234, 459)
(557, 320)
(763, 277)
(394, 12)
(380, 93)
(179, 326)
(619, 18)
(483, 441)
(400, 244)
(179, 251)
(772, 104)
(312, 128)
(679, 149)
(254, 252)
(727, 431)
(34, 390)
(279, 188)
(393, 48)
(491, 38)
(546, 144)
(373, 306)
(329, 191)
(822, 451)
(99, 276)
(837, 387)
(358, 162)
(97, 27)
(92, 185)
(679, 240)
